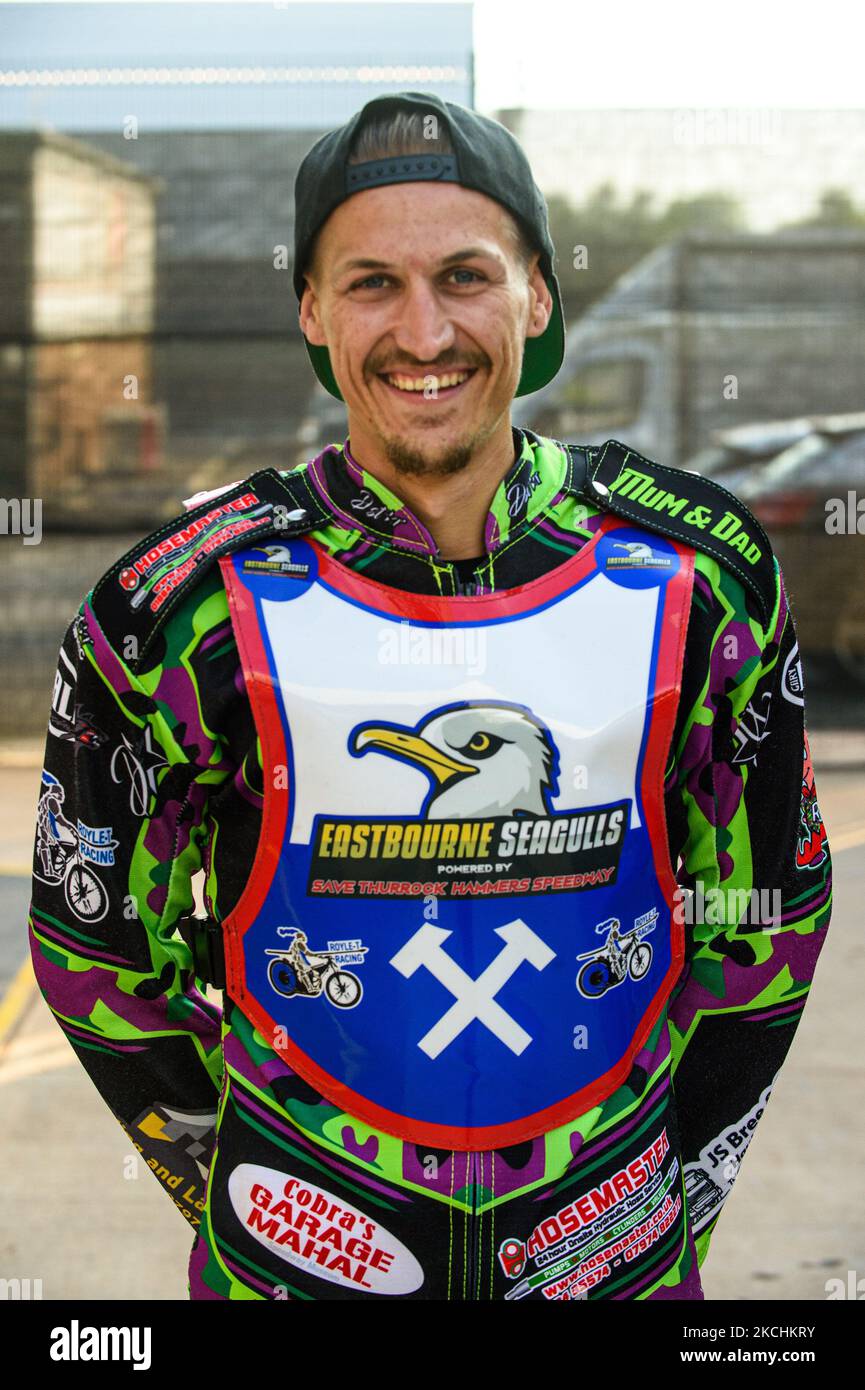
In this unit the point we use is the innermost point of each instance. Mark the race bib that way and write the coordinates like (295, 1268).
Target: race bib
(459, 926)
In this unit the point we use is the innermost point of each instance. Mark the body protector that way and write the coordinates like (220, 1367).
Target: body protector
(460, 925)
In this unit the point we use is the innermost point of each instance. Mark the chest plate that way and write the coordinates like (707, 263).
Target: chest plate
(459, 926)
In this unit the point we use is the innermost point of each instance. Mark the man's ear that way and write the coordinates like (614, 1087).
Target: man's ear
(309, 315)
(541, 308)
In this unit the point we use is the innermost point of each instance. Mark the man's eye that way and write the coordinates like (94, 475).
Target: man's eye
(460, 270)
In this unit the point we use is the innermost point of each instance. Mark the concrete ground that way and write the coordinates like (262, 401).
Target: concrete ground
(80, 1215)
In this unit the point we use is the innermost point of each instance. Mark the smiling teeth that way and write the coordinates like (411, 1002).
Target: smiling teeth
(435, 383)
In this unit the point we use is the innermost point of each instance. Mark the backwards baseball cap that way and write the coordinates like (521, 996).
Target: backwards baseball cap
(486, 158)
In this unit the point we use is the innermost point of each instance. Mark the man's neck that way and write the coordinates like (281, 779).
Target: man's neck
(453, 508)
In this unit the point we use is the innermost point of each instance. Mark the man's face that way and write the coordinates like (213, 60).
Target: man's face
(418, 294)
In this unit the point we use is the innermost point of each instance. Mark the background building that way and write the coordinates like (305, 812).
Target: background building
(211, 108)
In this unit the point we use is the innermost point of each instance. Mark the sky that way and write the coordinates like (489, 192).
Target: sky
(618, 53)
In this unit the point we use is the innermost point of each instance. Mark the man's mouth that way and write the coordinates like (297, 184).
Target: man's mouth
(430, 386)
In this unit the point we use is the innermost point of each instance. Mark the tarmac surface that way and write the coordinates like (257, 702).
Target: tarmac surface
(82, 1215)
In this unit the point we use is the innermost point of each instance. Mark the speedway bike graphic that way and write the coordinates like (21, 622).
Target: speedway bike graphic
(63, 862)
(296, 971)
(622, 955)
(59, 850)
(82, 888)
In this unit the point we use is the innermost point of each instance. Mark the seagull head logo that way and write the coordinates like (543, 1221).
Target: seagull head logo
(482, 759)
(637, 550)
(276, 553)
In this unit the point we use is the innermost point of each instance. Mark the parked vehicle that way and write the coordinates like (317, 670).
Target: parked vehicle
(711, 332)
(796, 475)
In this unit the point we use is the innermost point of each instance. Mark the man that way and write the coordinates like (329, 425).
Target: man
(304, 962)
(447, 696)
(55, 835)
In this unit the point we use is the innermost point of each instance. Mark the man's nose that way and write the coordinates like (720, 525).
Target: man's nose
(422, 326)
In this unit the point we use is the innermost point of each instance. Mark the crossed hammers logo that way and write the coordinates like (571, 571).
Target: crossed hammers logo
(473, 999)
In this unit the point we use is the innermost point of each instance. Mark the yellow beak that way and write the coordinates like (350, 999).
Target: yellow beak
(414, 749)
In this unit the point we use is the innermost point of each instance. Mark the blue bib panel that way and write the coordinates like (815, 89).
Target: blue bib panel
(460, 923)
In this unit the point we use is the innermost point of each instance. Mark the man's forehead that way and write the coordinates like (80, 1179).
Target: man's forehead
(442, 217)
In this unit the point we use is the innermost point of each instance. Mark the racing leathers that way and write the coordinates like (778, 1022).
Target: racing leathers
(289, 1193)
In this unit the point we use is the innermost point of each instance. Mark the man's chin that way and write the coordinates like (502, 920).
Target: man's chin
(423, 458)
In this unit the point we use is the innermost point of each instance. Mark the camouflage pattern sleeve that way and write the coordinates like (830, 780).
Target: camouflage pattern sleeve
(120, 823)
(756, 886)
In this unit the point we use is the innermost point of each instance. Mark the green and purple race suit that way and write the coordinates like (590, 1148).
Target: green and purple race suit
(518, 925)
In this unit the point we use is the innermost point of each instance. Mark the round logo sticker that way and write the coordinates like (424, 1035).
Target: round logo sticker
(628, 558)
(278, 570)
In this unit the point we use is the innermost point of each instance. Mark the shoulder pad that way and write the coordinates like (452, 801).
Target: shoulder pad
(139, 592)
(685, 506)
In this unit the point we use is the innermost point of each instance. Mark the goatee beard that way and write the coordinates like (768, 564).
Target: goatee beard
(412, 462)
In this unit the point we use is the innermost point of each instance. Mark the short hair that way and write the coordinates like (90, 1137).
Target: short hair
(402, 132)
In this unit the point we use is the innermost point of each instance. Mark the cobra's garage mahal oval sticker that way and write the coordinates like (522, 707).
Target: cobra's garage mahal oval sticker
(313, 1230)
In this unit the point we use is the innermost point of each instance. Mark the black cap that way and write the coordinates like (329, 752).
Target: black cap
(487, 158)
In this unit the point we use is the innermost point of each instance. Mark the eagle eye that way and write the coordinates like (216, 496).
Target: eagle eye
(482, 745)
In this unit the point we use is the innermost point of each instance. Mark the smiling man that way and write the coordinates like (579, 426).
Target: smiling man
(423, 292)
(427, 337)
(438, 706)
